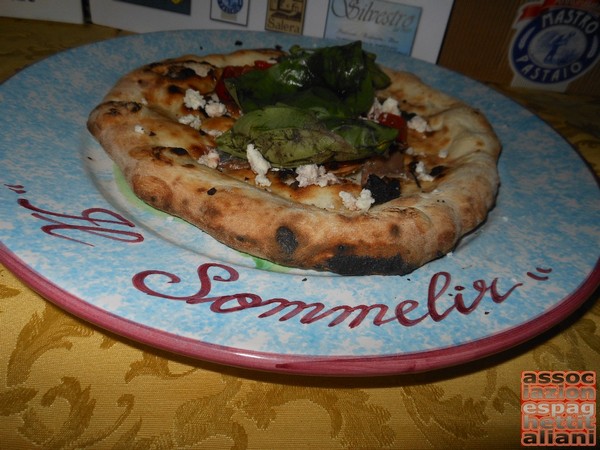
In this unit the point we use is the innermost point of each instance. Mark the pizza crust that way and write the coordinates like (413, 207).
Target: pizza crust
(308, 228)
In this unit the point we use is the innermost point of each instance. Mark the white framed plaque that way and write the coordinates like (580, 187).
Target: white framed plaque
(411, 27)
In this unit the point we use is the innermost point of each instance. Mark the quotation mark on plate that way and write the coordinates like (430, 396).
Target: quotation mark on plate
(543, 274)
(18, 188)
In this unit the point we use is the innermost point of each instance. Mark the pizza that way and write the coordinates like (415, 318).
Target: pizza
(312, 158)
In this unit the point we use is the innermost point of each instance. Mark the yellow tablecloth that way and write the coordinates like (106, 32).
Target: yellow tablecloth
(65, 384)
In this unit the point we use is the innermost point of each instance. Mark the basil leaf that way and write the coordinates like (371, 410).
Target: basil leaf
(289, 137)
(259, 88)
(379, 78)
(321, 101)
(293, 147)
(364, 136)
(349, 72)
(285, 136)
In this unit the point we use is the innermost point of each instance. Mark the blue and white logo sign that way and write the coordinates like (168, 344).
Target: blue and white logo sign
(554, 44)
(231, 6)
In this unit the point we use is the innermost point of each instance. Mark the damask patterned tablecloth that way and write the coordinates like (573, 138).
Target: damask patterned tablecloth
(66, 384)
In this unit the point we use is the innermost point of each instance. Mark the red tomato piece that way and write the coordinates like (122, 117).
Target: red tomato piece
(395, 121)
(236, 71)
(220, 88)
(262, 65)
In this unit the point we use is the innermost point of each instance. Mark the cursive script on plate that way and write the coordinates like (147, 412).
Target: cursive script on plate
(96, 221)
(407, 312)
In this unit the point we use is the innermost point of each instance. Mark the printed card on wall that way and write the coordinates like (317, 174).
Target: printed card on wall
(380, 22)
(180, 6)
(163, 15)
(231, 11)
(411, 27)
(69, 11)
(286, 16)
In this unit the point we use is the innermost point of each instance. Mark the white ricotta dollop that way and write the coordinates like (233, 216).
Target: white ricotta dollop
(191, 120)
(390, 106)
(312, 174)
(422, 172)
(361, 203)
(419, 124)
(215, 109)
(210, 159)
(193, 99)
(259, 165)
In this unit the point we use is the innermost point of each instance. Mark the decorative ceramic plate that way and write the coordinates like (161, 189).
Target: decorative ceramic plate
(70, 227)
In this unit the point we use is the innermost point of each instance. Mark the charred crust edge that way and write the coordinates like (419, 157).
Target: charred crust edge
(350, 265)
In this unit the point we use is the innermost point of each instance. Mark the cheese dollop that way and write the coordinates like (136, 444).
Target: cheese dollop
(361, 203)
(313, 174)
(259, 165)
